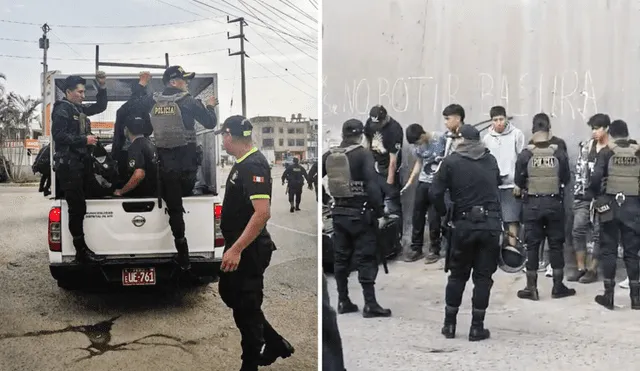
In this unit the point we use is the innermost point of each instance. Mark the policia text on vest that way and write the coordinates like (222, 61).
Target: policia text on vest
(173, 115)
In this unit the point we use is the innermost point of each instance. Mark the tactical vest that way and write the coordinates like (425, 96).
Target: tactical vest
(166, 120)
(543, 168)
(84, 124)
(624, 171)
(339, 174)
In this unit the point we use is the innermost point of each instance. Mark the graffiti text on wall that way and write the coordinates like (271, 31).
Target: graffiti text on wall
(571, 94)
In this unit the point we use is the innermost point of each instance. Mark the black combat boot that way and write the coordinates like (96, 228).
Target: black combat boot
(606, 300)
(450, 319)
(292, 208)
(272, 351)
(531, 290)
(634, 293)
(83, 253)
(346, 306)
(559, 290)
(371, 307)
(183, 254)
(344, 303)
(297, 206)
(477, 331)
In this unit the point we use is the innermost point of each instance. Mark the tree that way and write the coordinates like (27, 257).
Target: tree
(17, 115)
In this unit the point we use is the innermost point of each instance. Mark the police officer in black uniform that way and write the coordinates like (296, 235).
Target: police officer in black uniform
(73, 165)
(358, 204)
(472, 176)
(295, 175)
(173, 115)
(542, 171)
(142, 162)
(121, 142)
(248, 245)
(313, 177)
(615, 180)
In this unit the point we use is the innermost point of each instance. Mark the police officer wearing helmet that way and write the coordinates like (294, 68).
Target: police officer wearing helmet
(248, 245)
(615, 180)
(352, 182)
(173, 116)
(142, 162)
(471, 174)
(73, 142)
(542, 171)
(295, 175)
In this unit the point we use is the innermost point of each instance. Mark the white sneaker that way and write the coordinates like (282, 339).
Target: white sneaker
(549, 272)
(625, 284)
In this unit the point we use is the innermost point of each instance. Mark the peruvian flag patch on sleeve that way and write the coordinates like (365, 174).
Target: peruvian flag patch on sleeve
(258, 179)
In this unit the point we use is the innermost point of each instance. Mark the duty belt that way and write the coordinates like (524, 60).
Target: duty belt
(468, 215)
(553, 195)
(347, 211)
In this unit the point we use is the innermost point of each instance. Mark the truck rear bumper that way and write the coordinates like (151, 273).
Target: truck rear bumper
(111, 270)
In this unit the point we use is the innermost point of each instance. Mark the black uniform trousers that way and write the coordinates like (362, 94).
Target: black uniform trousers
(421, 207)
(620, 230)
(176, 184)
(472, 249)
(393, 204)
(295, 193)
(543, 218)
(242, 291)
(354, 235)
(332, 355)
(74, 175)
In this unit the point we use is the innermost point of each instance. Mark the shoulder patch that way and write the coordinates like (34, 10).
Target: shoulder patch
(132, 163)
(398, 146)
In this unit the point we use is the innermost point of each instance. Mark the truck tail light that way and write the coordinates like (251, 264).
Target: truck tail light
(55, 232)
(217, 217)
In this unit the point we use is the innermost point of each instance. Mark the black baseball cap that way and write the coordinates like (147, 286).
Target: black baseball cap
(135, 124)
(469, 132)
(352, 127)
(71, 82)
(238, 126)
(176, 72)
(378, 113)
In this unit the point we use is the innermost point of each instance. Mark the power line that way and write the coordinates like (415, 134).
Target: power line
(313, 4)
(266, 55)
(273, 10)
(287, 41)
(112, 60)
(124, 42)
(285, 81)
(268, 77)
(264, 25)
(295, 7)
(118, 26)
(67, 45)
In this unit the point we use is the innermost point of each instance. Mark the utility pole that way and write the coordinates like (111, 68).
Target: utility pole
(242, 55)
(44, 45)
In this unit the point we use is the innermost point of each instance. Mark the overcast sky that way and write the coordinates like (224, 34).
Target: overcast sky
(282, 73)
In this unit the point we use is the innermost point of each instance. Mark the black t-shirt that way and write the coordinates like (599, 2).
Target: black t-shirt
(249, 179)
(383, 140)
(142, 154)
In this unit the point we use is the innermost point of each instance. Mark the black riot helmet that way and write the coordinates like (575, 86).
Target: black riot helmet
(296, 161)
(512, 259)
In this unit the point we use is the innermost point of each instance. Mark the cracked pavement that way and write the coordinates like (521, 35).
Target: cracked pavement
(43, 327)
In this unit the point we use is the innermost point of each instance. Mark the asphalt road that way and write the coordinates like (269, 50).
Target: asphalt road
(43, 327)
(572, 334)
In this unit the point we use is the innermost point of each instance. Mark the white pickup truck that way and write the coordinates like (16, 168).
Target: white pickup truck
(134, 234)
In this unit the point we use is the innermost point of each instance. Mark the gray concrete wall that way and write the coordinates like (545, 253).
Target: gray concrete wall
(564, 57)
(568, 58)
